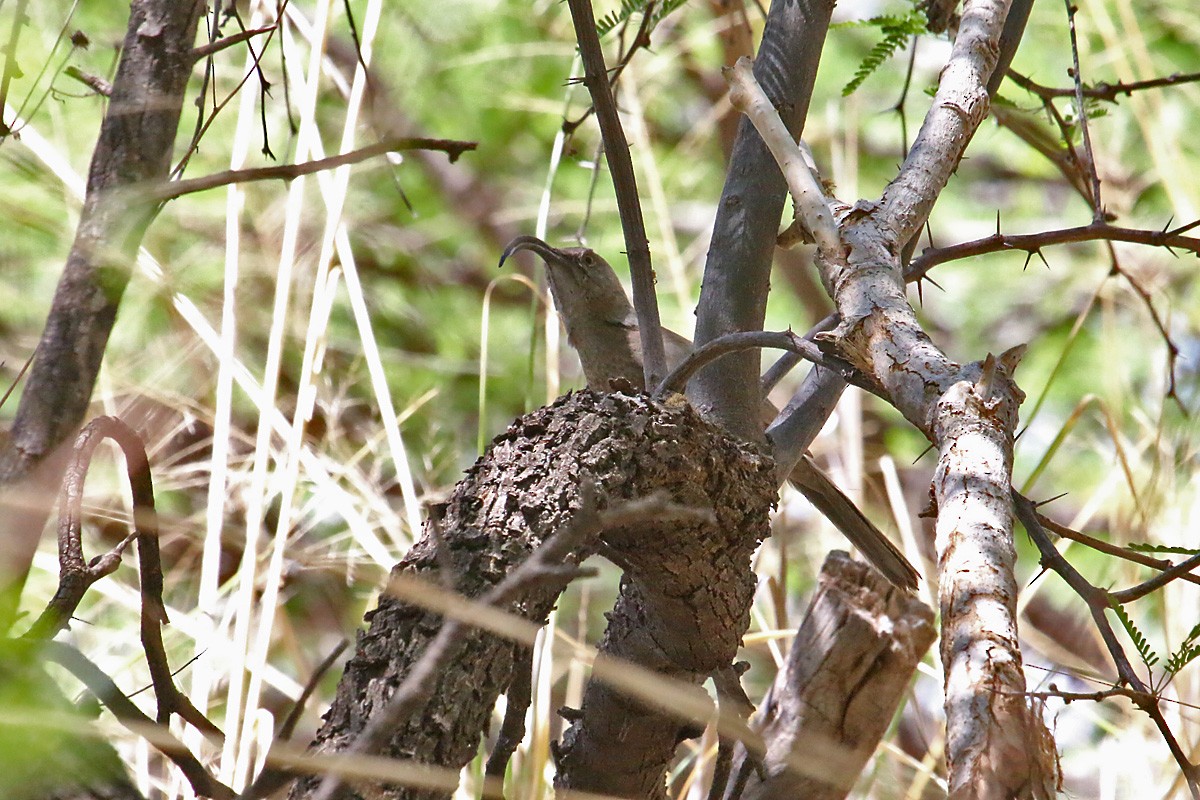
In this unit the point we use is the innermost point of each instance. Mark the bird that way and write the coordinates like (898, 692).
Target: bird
(602, 327)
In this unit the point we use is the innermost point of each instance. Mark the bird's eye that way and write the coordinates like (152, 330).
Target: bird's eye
(587, 261)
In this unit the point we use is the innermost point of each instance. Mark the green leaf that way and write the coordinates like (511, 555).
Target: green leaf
(896, 31)
(1149, 657)
(1145, 547)
(611, 21)
(1188, 650)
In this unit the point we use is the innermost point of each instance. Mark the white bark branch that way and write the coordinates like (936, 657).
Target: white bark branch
(960, 105)
(997, 744)
(812, 207)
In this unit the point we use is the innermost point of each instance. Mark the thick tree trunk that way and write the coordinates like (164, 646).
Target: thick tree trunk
(523, 490)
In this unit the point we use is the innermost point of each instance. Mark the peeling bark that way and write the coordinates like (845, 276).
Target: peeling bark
(847, 670)
(997, 744)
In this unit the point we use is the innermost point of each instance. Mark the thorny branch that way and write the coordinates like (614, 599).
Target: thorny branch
(641, 41)
(747, 340)
(212, 48)
(968, 410)
(1113, 550)
(1098, 603)
(1032, 244)
(162, 192)
(1110, 92)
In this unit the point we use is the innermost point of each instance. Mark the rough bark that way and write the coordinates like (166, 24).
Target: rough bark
(847, 670)
(134, 148)
(687, 587)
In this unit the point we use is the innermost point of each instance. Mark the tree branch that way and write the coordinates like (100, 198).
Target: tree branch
(969, 411)
(162, 192)
(737, 273)
(134, 147)
(960, 105)
(616, 153)
(1032, 243)
(756, 340)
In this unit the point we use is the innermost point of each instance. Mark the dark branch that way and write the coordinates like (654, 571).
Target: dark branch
(1103, 90)
(1180, 570)
(1032, 242)
(752, 340)
(129, 715)
(616, 152)
(546, 565)
(1098, 603)
(1111, 549)
(1081, 111)
(212, 48)
(163, 192)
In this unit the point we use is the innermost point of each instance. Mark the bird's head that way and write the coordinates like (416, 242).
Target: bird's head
(584, 285)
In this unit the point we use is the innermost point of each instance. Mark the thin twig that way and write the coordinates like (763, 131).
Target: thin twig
(11, 70)
(163, 192)
(518, 698)
(748, 340)
(1034, 242)
(1081, 110)
(272, 777)
(1111, 549)
(132, 717)
(76, 576)
(620, 164)
(1103, 90)
(93, 82)
(1097, 601)
(788, 361)
(641, 40)
(1181, 570)
(212, 48)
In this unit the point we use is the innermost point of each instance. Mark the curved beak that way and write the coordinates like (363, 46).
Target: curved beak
(532, 244)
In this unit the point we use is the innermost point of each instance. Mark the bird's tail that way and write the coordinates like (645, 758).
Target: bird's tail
(839, 509)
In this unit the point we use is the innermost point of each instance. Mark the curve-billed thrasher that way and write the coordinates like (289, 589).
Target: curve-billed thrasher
(602, 327)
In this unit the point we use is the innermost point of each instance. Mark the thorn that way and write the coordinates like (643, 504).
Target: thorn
(922, 454)
(1040, 503)
(1043, 258)
(1184, 228)
(929, 232)
(1168, 225)
(998, 223)
(1038, 577)
(1028, 258)
(935, 283)
(920, 294)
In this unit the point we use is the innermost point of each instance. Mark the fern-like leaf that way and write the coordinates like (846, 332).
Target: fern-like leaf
(1149, 657)
(1187, 652)
(1145, 547)
(896, 32)
(609, 22)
